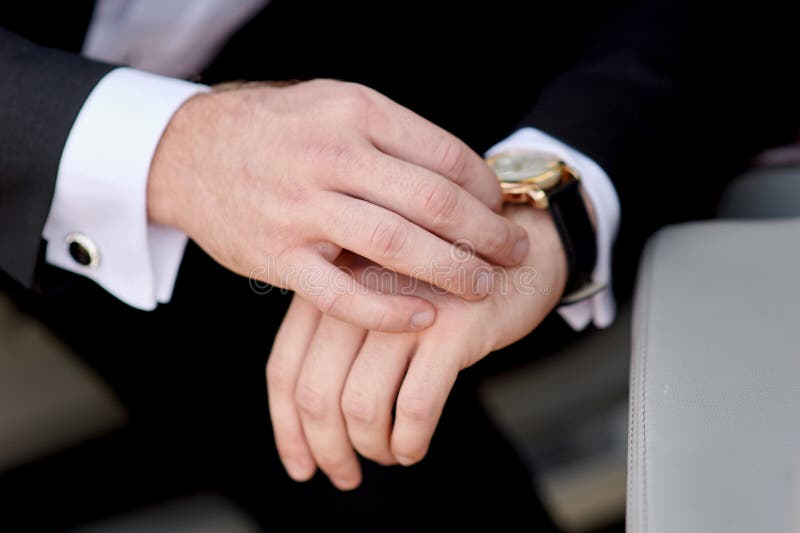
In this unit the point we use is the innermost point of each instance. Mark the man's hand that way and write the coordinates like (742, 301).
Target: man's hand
(333, 386)
(274, 182)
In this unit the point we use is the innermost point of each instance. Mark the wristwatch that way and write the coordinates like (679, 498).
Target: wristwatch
(545, 182)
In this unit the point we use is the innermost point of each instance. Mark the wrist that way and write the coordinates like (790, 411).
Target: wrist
(546, 254)
(167, 192)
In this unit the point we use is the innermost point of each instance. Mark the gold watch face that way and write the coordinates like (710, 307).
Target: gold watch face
(526, 166)
(529, 176)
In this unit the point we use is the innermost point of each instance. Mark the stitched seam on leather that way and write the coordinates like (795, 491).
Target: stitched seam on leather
(645, 343)
(637, 464)
(647, 297)
(633, 453)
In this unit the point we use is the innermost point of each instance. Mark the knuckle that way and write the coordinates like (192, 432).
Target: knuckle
(359, 409)
(311, 402)
(329, 153)
(380, 320)
(357, 92)
(452, 158)
(389, 238)
(332, 462)
(376, 450)
(442, 203)
(413, 450)
(294, 443)
(416, 410)
(328, 301)
(355, 101)
(291, 445)
(278, 376)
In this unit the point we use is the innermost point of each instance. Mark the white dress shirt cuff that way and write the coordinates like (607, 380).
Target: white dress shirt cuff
(101, 188)
(600, 308)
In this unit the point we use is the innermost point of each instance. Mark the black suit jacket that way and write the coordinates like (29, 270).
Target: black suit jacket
(670, 97)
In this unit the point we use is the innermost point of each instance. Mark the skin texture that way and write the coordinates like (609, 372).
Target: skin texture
(333, 386)
(274, 182)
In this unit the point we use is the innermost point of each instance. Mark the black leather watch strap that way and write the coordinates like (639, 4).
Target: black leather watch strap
(577, 234)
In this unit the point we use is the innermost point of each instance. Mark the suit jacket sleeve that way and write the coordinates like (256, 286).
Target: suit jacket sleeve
(41, 93)
(671, 98)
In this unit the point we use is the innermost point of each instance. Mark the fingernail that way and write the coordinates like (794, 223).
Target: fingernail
(298, 471)
(483, 284)
(345, 483)
(423, 319)
(405, 461)
(520, 251)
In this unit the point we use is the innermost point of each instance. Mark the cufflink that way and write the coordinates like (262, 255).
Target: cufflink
(82, 250)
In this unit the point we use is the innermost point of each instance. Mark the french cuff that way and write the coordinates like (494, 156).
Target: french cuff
(97, 226)
(601, 307)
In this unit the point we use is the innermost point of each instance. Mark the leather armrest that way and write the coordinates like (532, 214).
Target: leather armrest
(715, 380)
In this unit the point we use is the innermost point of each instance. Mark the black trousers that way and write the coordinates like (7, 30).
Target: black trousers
(191, 375)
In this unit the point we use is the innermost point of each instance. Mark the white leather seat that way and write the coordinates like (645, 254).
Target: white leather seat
(715, 380)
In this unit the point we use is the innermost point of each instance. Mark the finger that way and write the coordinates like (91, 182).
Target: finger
(283, 369)
(318, 396)
(439, 205)
(370, 392)
(392, 241)
(422, 396)
(334, 292)
(400, 132)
